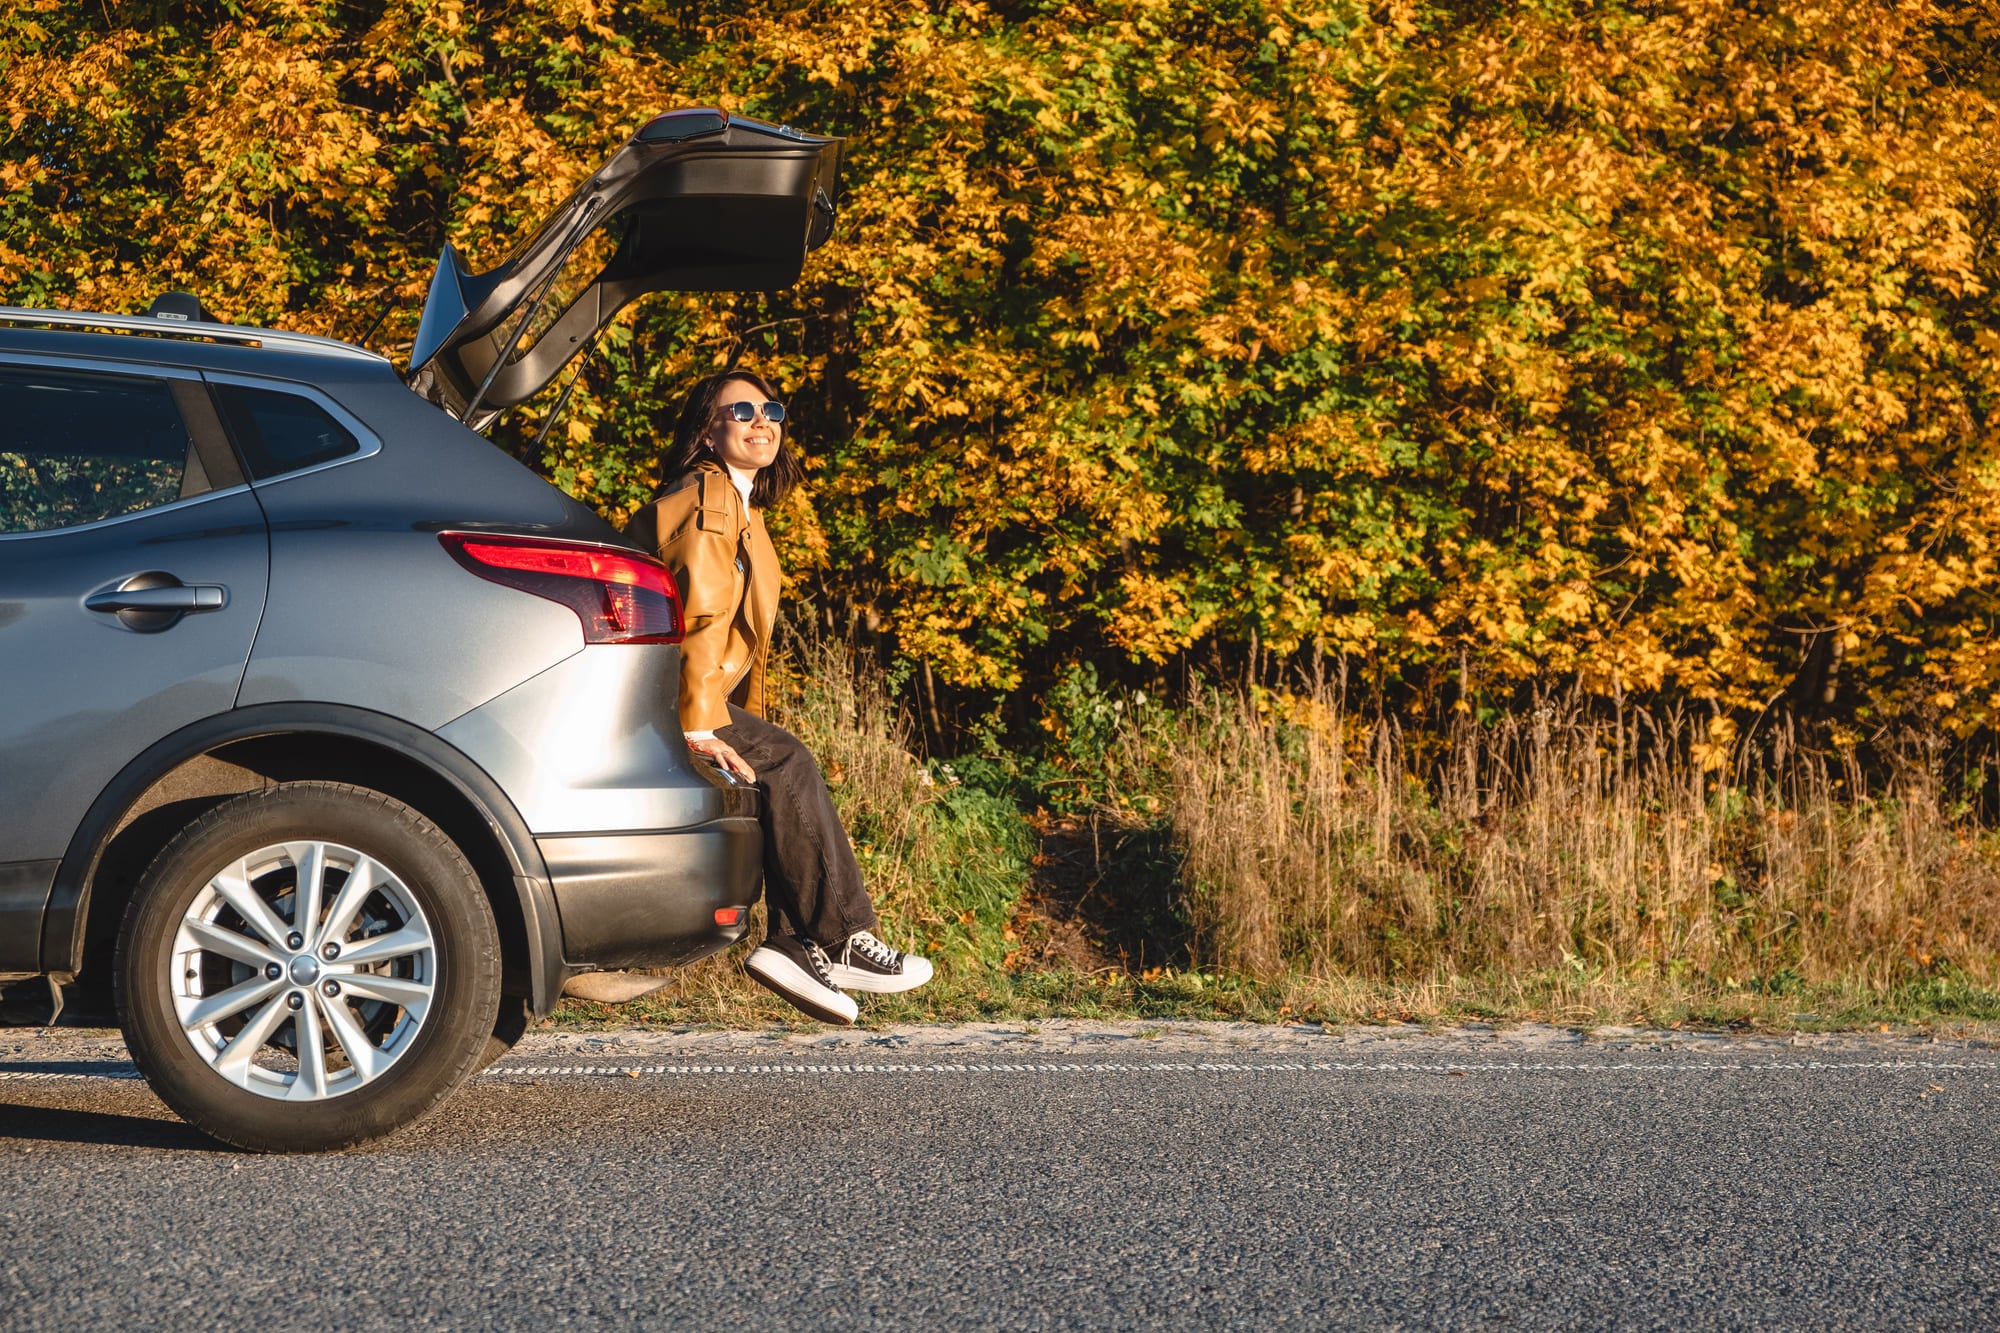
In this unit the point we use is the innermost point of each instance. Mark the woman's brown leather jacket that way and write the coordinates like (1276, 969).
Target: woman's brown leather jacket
(727, 573)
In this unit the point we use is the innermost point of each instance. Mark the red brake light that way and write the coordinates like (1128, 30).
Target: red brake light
(620, 596)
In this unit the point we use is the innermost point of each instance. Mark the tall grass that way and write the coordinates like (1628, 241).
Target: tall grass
(1318, 843)
(1556, 864)
(944, 864)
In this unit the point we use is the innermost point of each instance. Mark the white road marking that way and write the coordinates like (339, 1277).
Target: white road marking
(505, 1071)
(1226, 1067)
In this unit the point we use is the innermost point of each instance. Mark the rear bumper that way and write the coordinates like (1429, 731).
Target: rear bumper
(649, 899)
(593, 745)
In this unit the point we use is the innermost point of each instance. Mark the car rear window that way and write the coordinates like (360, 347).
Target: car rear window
(79, 448)
(282, 432)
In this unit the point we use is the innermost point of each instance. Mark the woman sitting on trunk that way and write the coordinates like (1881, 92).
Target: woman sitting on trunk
(729, 461)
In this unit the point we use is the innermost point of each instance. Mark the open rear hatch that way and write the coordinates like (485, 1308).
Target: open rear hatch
(697, 200)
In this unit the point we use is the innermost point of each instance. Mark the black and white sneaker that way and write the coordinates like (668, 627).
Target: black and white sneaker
(865, 963)
(798, 971)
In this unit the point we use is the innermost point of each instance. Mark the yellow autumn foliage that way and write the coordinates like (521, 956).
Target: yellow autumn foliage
(1650, 346)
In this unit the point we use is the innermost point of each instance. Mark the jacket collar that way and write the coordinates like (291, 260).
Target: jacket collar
(714, 467)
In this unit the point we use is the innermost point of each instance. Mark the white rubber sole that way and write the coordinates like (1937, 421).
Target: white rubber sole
(916, 971)
(800, 988)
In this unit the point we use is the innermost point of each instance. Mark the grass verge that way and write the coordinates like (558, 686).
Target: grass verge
(724, 999)
(1272, 858)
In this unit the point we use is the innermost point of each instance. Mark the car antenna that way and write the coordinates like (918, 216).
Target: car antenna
(504, 354)
(376, 323)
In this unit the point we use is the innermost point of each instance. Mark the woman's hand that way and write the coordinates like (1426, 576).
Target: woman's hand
(725, 754)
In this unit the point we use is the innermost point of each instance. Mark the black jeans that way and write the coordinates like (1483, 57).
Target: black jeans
(810, 877)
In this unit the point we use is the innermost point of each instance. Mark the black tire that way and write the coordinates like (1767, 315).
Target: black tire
(428, 1046)
(509, 1026)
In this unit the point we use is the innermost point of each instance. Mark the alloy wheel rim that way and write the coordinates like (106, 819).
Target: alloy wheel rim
(303, 971)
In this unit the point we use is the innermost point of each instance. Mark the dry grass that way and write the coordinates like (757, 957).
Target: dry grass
(943, 866)
(1552, 867)
(1319, 845)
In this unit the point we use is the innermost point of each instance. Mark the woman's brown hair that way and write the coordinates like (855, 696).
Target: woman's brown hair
(690, 444)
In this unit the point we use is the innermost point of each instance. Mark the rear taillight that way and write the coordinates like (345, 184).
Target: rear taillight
(620, 596)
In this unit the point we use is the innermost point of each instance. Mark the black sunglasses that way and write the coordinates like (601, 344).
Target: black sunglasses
(747, 411)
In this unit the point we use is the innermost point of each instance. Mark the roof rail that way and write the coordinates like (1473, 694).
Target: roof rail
(187, 330)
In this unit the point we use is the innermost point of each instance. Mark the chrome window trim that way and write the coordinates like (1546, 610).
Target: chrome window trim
(98, 365)
(90, 365)
(370, 442)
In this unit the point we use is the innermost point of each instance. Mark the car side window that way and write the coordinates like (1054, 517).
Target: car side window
(282, 432)
(77, 448)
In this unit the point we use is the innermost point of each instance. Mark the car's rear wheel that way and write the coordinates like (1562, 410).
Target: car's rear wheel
(509, 1026)
(307, 967)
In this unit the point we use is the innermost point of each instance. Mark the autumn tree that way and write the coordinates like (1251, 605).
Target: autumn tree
(1646, 346)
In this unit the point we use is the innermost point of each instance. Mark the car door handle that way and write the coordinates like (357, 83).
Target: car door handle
(180, 597)
(155, 600)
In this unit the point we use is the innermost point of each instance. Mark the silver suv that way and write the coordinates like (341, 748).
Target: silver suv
(340, 741)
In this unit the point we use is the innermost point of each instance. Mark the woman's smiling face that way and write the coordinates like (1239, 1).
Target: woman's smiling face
(743, 446)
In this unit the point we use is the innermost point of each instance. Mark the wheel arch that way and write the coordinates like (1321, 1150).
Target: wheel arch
(173, 780)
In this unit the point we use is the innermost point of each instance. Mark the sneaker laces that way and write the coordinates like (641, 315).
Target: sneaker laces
(876, 952)
(821, 965)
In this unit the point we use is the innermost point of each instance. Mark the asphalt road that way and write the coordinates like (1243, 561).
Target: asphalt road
(1430, 1182)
